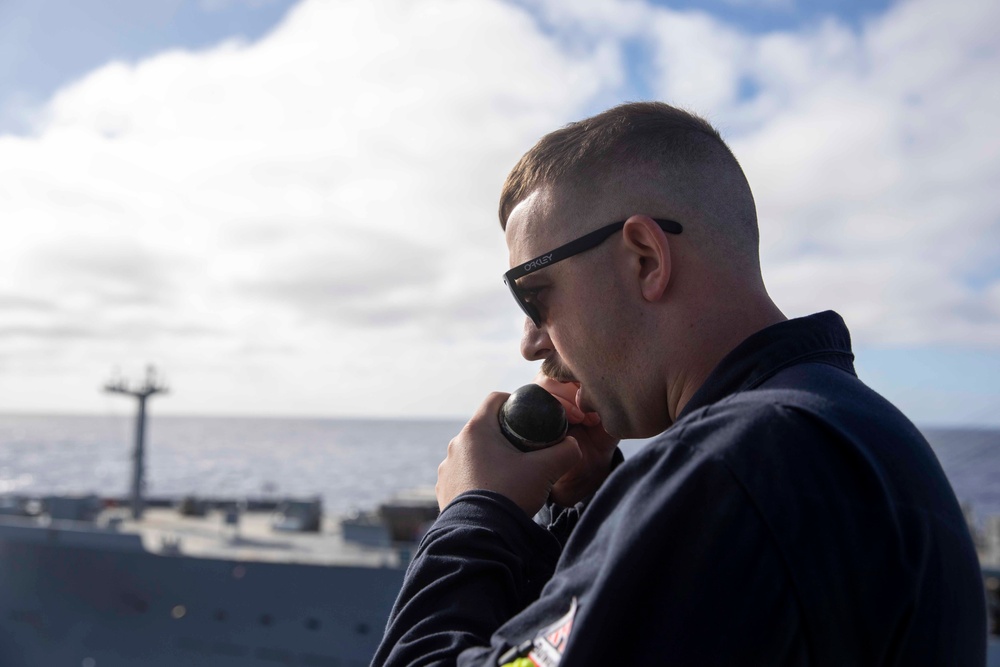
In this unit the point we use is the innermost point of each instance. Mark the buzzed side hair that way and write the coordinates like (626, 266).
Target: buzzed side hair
(675, 145)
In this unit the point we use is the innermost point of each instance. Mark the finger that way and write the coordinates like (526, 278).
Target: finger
(542, 380)
(565, 392)
(558, 459)
(490, 407)
(556, 387)
(573, 413)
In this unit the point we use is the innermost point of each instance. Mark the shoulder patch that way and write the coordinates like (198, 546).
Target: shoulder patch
(550, 643)
(548, 646)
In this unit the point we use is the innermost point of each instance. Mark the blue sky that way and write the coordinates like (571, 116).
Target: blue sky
(202, 185)
(44, 44)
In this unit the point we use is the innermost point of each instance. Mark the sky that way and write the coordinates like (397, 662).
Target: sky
(290, 207)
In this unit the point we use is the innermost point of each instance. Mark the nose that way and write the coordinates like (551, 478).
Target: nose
(535, 342)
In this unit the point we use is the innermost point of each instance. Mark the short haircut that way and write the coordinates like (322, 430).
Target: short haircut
(654, 138)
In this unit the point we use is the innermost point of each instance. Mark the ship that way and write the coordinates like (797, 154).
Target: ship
(189, 590)
(94, 581)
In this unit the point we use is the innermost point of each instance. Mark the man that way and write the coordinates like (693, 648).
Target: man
(785, 515)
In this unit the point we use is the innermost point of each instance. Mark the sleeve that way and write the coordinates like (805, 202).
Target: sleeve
(481, 563)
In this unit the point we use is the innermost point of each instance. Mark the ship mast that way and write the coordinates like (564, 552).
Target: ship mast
(140, 393)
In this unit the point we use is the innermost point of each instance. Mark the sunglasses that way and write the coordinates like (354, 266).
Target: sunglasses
(585, 242)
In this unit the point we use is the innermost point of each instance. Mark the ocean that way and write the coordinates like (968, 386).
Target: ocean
(352, 464)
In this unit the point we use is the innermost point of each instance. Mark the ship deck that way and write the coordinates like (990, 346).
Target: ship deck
(165, 531)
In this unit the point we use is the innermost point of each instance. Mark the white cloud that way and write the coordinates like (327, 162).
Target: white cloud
(872, 153)
(307, 223)
(890, 160)
(321, 201)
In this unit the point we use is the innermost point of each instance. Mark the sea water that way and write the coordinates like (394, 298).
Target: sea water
(350, 463)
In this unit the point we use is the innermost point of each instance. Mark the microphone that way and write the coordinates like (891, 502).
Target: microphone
(532, 418)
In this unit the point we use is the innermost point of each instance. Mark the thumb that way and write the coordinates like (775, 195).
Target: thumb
(558, 459)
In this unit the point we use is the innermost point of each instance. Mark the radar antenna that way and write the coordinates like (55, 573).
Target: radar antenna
(150, 386)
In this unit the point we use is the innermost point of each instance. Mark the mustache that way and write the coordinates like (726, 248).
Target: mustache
(552, 369)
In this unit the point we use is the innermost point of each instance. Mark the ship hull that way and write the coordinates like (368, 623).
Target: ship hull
(67, 604)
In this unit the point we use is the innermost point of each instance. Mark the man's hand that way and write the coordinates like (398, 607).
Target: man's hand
(481, 458)
(597, 447)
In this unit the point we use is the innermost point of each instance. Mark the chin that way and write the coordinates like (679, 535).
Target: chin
(614, 426)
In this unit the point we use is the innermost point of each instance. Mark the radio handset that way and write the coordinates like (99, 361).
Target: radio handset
(532, 418)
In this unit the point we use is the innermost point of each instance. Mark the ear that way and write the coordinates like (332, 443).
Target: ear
(651, 251)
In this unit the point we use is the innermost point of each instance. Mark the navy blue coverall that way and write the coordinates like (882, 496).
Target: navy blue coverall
(790, 516)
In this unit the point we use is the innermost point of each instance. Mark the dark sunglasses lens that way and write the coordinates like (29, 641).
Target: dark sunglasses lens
(527, 308)
(531, 312)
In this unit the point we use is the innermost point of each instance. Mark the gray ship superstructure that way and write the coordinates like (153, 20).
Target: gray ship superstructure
(176, 590)
(138, 582)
